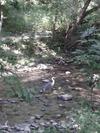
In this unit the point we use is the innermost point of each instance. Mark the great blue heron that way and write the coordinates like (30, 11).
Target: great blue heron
(48, 85)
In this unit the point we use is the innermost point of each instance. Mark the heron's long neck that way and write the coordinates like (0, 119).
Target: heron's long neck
(53, 81)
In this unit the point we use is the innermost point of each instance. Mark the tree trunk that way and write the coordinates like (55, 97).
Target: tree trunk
(1, 15)
(70, 39)
(54, 24)
(1, 20)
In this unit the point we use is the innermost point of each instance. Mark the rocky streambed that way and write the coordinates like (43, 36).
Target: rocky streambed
(36, 124)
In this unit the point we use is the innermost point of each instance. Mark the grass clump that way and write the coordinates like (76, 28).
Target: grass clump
(88, 121)
(15, 89)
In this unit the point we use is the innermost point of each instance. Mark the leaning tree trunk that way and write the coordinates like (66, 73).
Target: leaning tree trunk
(1, 20)
(70, 39)
(1, 15)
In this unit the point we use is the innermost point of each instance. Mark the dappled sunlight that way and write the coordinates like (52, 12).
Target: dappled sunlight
(45, 21)
(33, 76)
(49, 66)
(5, 47)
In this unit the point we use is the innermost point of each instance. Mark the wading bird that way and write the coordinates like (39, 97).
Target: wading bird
(48, 85)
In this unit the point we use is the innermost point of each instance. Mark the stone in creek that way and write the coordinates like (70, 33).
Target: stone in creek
(67, 73)
(61, 106)
(23, 127)
(53, 122)
(63, 124)
(32, 118)
(38, 117)
(58, 116)
(43, 109)
(47, 124)
(42, 123)
(34, 126)
(46, 104)
(65, 97)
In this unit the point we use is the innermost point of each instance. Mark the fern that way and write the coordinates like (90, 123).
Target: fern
(89, 56)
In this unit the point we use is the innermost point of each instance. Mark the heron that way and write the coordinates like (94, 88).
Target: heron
(48, 85)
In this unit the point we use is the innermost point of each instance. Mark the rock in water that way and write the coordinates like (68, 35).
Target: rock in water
(65, 97)
(38, 117)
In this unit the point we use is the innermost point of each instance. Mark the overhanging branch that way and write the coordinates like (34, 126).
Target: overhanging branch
(92, 10)
(82, 12)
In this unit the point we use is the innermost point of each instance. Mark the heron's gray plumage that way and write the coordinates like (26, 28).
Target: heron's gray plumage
(48, 84)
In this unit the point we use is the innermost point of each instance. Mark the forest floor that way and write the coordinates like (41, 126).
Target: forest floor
(69, 79)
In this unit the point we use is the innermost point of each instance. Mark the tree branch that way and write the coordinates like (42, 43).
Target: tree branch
(83, 11)
(92, 10)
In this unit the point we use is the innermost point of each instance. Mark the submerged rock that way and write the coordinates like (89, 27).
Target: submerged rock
(34, 125)
(43, 109)
(58, 116)
(38, 117)
(23, 127)
(65, 97)
(61, 106)
(67, 73)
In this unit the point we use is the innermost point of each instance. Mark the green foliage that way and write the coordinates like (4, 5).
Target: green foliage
(8, 56)
(15, 89)
(16, 22)
(84, 118)
(88, 32)
(89, 60)
(88, 121)
(51, 129)
(29, 15)
(29, 47)
(89, 54)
